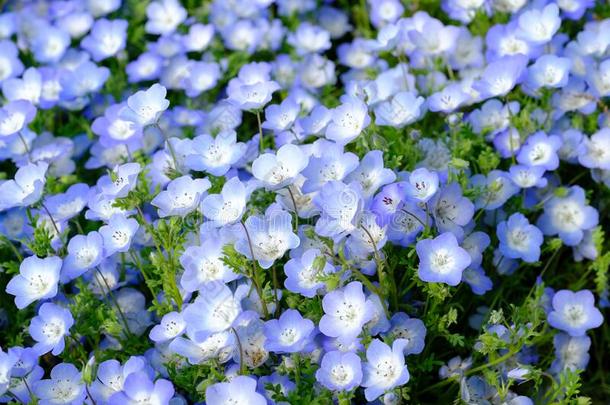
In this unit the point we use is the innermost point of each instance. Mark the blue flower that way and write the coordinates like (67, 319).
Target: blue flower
(27, 187)
(84, 253)
(340, 207)
(172, 325)
(164, 16)
(240, 390)
(412, 330)
(146, 106)
(340, 371)
(106, 38)
(348, 120)
(228, 206)
(451, 210)
(181, 197)
(441, 259)
(385, 368)
(540, 150)
(213, 311)
(50, 327)
(37, 280)
(574, 312)
(118, 233)
(64, 387)
(571, 353)
(495, 189)
(138, 386)
(568, 216)
(279, 170)
(204, 265)
(252, 89)
(330, 163)
(305, 275)
(478, 281)
(345, 312)
(519, 239)
(291, 333)
(537, 26)
(267, 238)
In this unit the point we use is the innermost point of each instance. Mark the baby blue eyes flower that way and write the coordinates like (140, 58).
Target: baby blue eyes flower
(442, 260)
(309, 38)
(495, 189)
(107, 37)
(145, 106)
(26, 188)
(181, 197)
(549, 71)
(574, 312)
(332, 163)
(9, 59)
(291, 333)
(594, 152)
(202, 76)
(501, 76)
(172, 325)
(28, 88)
(139, 387)
(451, 210)
(422, 185)
(164, 16)
(240, 390)
(215, 155)
(478, 281)
(402, 109)
(528, 176)
(267, 238)
(305, 275)
(118, 233)
(568, 216)
(64, 387)
(448, 99)
(228, 206)
(84, 253)
(345, 312)
(280, 117)
(252, 89)
(213, 311)
(279, 170)
(348, 121)
(537, 26)
(204, 265)
(37, 280)
(385, 368)
(412, 330)
(49, 328)
(371, 173)
(519, 239)
(121, 181)
(571, 352)
(340, 371)
(340, 207)
(540, 150)
(15, 116)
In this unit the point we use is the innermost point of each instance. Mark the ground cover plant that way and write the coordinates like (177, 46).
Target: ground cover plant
(304, 202)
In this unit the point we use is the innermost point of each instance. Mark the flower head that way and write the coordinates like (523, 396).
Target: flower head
(574, 312)
(441, 259)
(37, 280)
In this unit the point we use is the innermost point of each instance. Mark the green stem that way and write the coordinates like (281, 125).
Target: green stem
(259, 291)
(260, 130)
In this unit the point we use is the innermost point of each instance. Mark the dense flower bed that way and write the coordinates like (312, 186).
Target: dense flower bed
(306, 202)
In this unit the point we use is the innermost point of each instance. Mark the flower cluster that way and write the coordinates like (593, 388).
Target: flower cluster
(280, 201)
